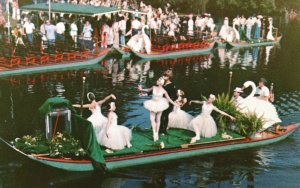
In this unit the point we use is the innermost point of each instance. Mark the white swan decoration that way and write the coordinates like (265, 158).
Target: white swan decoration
(140, 42)
(261, 108)
(237, 34)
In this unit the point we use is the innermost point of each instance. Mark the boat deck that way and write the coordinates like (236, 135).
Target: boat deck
(142, 141)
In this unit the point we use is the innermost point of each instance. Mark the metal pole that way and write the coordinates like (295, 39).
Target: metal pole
(82, 95)
(49, 9)
(8, 20)
(229, 83)
(272, 97)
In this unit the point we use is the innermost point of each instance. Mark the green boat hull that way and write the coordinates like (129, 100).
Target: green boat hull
(254, 44)
(54, 67)
(221, 44)
(175, 54)
(160, 155)
(124, 55)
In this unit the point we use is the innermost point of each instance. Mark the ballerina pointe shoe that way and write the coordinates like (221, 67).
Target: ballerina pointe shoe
(129, 145)
(194, 140)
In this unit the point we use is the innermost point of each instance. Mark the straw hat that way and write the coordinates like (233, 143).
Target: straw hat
(238, 89)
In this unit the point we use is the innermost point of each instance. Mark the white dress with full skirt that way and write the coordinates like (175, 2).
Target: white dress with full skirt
(205, 122)
(158, 103)
(179, 119)
(97, 119)
(270, 32)
(119, 136)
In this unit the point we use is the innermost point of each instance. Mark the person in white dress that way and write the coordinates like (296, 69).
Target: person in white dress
(157, 104)
(74, 31)
(114, 136)
(204, 124)
(270, 32)
(179, 118)
(224, 32)
(96, 118)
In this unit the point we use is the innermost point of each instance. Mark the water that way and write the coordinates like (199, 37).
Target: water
(276, 165)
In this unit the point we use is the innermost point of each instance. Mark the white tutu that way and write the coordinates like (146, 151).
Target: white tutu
(156, 105)
(97, 119)
(179, 119)
(206, 125)
(119, 136)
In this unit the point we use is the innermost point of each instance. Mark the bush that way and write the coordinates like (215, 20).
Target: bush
(244, 124)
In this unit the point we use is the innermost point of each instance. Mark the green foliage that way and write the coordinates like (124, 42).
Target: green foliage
(244, 124)
(61, 145)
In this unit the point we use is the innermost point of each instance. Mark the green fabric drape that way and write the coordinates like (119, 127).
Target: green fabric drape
(81, 128)
(83, 131)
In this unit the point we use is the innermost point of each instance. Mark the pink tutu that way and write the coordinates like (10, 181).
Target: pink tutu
(156, 105)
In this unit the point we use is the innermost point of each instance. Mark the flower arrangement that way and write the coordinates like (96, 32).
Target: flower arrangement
(61, 145)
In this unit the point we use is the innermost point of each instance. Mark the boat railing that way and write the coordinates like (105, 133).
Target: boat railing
(168, 43)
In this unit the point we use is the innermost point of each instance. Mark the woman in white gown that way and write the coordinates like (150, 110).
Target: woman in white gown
(157, 104)
(114, 136)
(179, 118)
(96, 118)
(261, 108)
(270, 32)
(204, 125)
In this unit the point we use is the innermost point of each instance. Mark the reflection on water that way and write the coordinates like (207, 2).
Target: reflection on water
(245, 58)
(197, 76)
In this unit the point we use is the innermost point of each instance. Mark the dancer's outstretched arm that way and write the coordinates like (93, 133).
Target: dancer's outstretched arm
(83, 106)
(223, 113)
(196, 101)
(145, 90)
(106, 99)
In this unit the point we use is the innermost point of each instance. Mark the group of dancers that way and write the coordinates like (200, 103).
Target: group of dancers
(164, 116)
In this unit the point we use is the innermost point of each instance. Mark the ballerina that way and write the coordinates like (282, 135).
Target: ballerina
(157, 104)
(270, 32)
(179, 118)
(96, 118)
(114, 136)
(204, 125)
(262, 108)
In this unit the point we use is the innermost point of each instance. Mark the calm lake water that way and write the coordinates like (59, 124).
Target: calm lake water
(276, 165)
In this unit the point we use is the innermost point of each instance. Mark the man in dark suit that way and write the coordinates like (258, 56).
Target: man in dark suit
(171, 90)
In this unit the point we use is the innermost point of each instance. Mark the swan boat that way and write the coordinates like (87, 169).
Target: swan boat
(144, 151)
(85, 60)
(172, 54)
(244, 44)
